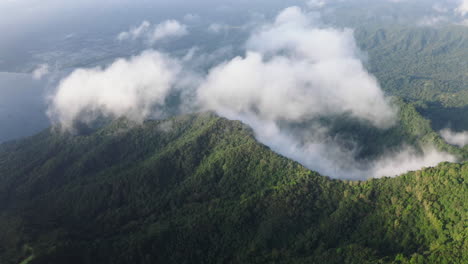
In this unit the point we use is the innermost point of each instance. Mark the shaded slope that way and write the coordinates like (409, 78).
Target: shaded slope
(200, 189)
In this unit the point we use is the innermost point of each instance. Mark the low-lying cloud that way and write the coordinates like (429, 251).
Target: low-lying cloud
(40, 71)
(217, 27)
(316, 3)
(132, 88)
(324, 154)
(433, 20)
(293, 71)
(455, 138)
(154, 33)
(408, 159)
(462, 9)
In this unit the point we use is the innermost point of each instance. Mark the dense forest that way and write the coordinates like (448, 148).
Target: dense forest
(198, 188)
(425, 64)
(201, 189)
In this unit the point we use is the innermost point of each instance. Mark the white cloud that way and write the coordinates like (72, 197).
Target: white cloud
(294, 71)
(154, 33)
(433, 20)
(462, 9)
(455, 138)
(216, 27)
(40, 71)
(220, 27)
(324, 154)
(440, 8)
(316, 3)
(166, 126)
(169, 28)
(407, 159)
(135, 32)
(132, 88)
(192, 18)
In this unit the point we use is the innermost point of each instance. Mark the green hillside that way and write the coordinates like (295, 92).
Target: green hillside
(412, 129)
(419, 63)
(201, 189)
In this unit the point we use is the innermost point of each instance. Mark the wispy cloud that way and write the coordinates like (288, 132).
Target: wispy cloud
(455, 138)
(440, 8)
(433, 20)
(154, 33)
(316, 3)
(40, 71)
(217, 27)
(192, 18)
(462, 8)
(292, 72)
(135, 32)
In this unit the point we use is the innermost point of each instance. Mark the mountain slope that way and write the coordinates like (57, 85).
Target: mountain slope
(419, 63)
(200, 189)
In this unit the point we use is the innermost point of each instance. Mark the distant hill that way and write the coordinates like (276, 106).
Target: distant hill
(201, 189)
(419, 63)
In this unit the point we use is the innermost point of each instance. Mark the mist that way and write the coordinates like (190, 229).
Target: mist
(131, 88)
(294, 69)
(326, 155)
(455, 138)
(154, 33)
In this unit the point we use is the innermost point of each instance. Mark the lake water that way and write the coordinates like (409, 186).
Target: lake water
(22, 106)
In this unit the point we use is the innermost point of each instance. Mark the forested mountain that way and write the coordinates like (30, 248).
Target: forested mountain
(416, 50)
(334, 95)
(201, 189)
(424, 64)
(419, 63)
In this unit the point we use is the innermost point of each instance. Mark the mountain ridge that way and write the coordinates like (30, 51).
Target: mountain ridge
(201, 189)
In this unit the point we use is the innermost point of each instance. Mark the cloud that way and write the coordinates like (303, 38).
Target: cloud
(217, 28)
(294, 71)
(40, 71)
(220, 27)
(166, 126)
(324, 154)
(464, 22)
(135, 32)
(155, 33)
(433, 20)
(407, 159)
(316, 3)
(440, 8)
(192, 18)
(462, 9)
(169, 28)
(455, 138)
(132, 88)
